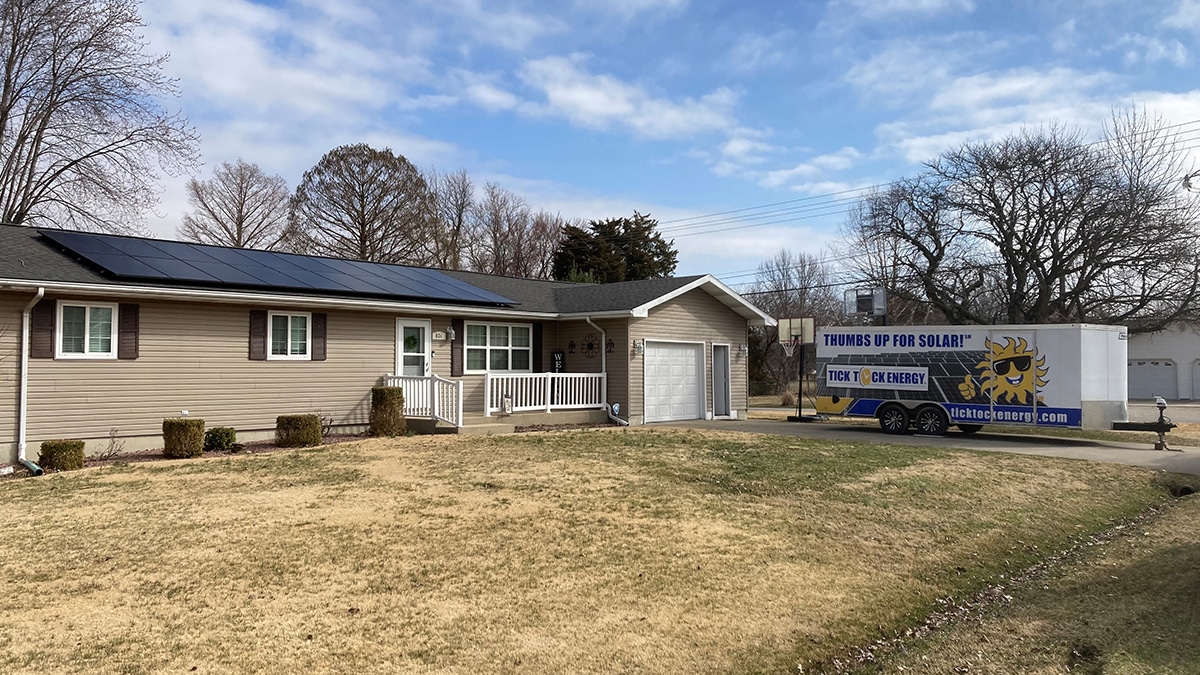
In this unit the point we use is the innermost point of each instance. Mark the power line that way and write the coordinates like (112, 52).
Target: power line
(1181, 137)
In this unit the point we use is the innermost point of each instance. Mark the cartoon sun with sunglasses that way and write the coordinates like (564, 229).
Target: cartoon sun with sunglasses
(1013, 371)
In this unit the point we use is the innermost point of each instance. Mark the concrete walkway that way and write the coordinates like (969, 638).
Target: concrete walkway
(1135, 454)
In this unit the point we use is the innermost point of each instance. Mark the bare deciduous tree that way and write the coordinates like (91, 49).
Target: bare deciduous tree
(1042, 227)
(239, 206)
(454, 199)
(82, 134)
(875, 262)
(362, 203)
(788, 285)
(507, 238)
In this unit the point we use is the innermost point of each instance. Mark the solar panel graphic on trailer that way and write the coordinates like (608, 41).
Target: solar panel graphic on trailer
(138, 258)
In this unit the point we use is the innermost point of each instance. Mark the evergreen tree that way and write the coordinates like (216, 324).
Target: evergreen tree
(616, 249)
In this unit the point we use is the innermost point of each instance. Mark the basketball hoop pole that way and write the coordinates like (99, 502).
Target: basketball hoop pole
(800, 393)
(799, 332)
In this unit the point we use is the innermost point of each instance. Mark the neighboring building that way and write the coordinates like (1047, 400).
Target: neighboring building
(129, 331)
(1165, 363)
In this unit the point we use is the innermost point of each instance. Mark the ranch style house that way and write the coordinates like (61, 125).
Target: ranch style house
(108, 335)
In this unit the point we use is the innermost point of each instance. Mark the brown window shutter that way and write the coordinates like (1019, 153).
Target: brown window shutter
(258, 335)
(128, 330)
(536, 356)
(41, 329)
(319, 322)
(456, 347)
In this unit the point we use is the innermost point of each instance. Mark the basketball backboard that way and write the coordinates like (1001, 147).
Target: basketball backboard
(800, 329)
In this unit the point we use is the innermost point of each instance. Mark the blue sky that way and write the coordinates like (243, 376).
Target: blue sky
(677, 108)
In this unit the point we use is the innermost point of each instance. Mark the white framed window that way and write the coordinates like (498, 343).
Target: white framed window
(499, 348)
(86, 331)
(289, 336)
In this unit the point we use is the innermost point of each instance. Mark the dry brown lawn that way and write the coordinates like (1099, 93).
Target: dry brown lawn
(649, 551)
(1130, 605)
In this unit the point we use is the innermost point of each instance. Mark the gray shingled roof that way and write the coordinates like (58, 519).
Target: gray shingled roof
(561, 297)
(618, 296)
(535, 295)
(25, 255)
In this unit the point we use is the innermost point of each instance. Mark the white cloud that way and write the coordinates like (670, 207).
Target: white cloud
(754, 51)
(1186, 15)
(603, 101)
(883, 9)
(1065, 37)
(1140, 48)
(511, 30)
(900, 71)
(743, 149)
(820, 165)
(631, 9)
(247, 59)
(980, 91)
(484, 90)
(281, 86)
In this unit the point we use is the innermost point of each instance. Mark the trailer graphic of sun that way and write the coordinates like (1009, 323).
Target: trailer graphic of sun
(1013, 373)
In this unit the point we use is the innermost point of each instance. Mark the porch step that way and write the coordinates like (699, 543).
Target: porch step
(480, 425)
(491, 429)
(471, 427)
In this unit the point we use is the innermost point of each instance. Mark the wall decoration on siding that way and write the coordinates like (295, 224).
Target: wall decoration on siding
(610, 346)
(591, 346)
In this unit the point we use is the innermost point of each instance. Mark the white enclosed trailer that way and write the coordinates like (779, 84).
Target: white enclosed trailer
(933, 377)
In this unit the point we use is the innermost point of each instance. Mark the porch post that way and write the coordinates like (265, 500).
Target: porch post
(487, 395)
(434, 406)
(458, 411)
(549, 388)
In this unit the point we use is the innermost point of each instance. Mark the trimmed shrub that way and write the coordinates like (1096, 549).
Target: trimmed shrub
(183, 437)
(63, 454)
(220, 439)
(387, 411)
(297, 431)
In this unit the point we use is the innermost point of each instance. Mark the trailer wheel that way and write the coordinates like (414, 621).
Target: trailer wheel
(969, 428)
(893, 418)
(932, 421)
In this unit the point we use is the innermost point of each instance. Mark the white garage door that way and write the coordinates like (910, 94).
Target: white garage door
(1150, 378)
(674, 381)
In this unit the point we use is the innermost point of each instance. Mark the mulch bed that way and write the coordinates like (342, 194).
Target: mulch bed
(156, 454)
(266, 446)
(562, 427)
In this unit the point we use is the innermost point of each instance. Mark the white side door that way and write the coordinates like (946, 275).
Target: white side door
(412, 348)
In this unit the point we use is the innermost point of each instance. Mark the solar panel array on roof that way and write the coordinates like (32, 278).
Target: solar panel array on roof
(133, 258)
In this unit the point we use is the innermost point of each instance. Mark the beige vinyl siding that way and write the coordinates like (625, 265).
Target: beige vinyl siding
(194, 357)
(11, 306)
(617, 362)
(692, 317)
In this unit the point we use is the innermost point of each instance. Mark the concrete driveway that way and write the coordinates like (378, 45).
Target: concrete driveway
(1133, 454)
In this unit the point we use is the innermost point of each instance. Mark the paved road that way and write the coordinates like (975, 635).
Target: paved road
(1134, 454)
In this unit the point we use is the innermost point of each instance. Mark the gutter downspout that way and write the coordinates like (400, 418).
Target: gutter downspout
(604, 369)
(23, 414)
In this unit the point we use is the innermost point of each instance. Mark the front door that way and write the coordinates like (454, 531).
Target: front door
(721, 392)
(412, 348)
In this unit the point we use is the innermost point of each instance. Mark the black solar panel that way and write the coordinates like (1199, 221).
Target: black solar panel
(176, 261)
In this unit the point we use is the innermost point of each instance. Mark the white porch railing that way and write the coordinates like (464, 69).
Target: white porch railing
(433, 397)
(544, 391)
